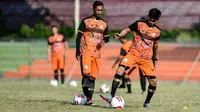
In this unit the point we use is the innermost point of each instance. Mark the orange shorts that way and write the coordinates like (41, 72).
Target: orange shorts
(147, 67)
(58, 62)
(90, 65)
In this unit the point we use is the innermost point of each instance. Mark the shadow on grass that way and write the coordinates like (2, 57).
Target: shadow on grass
(50, 101)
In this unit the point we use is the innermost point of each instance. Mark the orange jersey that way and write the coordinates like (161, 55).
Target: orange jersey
(57, 44)
(93, 31)
(142, 45)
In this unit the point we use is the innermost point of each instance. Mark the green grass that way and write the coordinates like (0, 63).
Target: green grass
(39, 96)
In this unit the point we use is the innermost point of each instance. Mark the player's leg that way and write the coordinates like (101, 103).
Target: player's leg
(149, 71)
(94, 73)
(142, 81)
(126, 63)
(128, 83)
(55, 67)
(151, 89)
(128, 80)
(116, 80)
(85, 63)
(123, 83)
(62, 67)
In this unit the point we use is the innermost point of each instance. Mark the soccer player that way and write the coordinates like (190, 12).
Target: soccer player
(57, 53)
(146, 36)
(92, 35)
(126, 76)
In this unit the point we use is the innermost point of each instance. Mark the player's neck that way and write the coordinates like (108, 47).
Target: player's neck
(96, 18)
(56, 34)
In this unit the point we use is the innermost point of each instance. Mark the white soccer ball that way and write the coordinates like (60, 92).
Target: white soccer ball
(104, 88)
(54, 83)
(73, 83)
(117, 102)
(80, 99)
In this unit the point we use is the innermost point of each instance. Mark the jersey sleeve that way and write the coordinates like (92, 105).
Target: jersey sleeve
(123, 52)
(63, 40)
(106, 33)
(133, 27)
(81, 27)
(48, 42)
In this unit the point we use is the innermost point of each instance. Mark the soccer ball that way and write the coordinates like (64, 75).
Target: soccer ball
(104, 88)
(73, 83)
(80, 99)
(54, 83)
(117, 102)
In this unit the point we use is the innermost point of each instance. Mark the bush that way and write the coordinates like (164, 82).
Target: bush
(169, 35)
(41, 31)
(26, 31)
(66, 31)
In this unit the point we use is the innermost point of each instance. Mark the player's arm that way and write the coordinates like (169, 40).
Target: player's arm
(155, 51)
(155, 46)
(123, 40)
(78, 39)
(122, 54)
(132, 27)
(122, 33)
(106, 37)
(49, 51)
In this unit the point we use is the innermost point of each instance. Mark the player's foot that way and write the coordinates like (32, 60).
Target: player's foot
(147, 105)
(108, 99)
(143, 92)
(62, 85)
(129, 92)
(89, 103)
(122, 86)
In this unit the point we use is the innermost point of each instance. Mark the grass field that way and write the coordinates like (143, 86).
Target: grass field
(39, 96)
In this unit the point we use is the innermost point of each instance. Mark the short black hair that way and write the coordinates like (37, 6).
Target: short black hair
(97, 3)
(154, 13)
(54, 26)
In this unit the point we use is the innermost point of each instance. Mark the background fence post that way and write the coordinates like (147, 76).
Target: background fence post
(29, 61)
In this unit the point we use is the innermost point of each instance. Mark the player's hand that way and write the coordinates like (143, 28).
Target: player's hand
(78, 58)
(155, 63)
(117, 35)
(98, 47)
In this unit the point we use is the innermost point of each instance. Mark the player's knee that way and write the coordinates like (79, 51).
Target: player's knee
(117, 77)
(56, 72)
(152, 80)
(92, 78)
(85, 81)
(128, 81)
(62, 71)
(120, 70)
(126, 76)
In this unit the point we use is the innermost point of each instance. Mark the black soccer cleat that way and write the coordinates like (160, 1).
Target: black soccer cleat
(122, 86)
(89, 103)
(129, 92)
